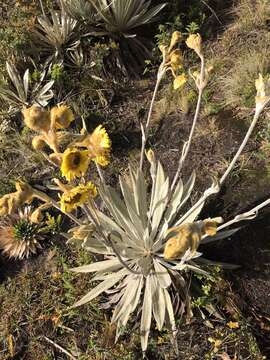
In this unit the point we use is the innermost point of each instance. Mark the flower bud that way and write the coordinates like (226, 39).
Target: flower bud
(263, 92)
(194, 41)
(179, 81)
(61, 116)
(176, 59)
(150, 155)
(56, 159)
(37, 118)
(188, 236)
(175, 39)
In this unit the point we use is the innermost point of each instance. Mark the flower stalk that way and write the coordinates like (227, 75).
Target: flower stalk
(145, 131)
(47, 199)
(194, 123)
(262, 99)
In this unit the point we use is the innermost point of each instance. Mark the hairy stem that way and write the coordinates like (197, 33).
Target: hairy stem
(247, 215)
(196, 115)
(42, 8)
(160, 75)
(239, 152)
(47, 199)
(100, 173)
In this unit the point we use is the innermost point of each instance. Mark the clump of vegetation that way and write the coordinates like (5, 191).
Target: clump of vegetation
(57, 34)
(251, 16)
(21, 235)
(238, 85)
(149, 243)
(23, 90)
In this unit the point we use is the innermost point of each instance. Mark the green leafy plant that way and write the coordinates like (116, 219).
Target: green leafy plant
(22, 92)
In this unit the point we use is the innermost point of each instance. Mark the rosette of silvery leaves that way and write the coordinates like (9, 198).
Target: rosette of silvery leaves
(137, 226)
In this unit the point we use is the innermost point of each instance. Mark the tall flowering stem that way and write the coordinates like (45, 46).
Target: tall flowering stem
(145, 131)
(241, 148)
(195, 119)
(171, 60)
(262, 99)
(42, 8)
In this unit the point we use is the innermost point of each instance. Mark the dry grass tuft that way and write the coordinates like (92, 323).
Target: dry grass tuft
(239, 83)
(251, 15)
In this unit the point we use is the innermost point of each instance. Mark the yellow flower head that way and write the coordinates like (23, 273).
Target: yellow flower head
(77, 196)
(61, 116)
(194, 41)
(74, 163)
(176, 38)
(263, 92)
(37, 118)
(98, 144)
(188, 236)
(179, 81)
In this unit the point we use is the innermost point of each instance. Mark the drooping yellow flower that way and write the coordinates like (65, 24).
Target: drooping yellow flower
(10, 203)
(263, 92)
(99, 145)
(194, 41)
(37, 118)
(175, 39)
(61, 116)
(78, 196)
(75, 163)
(188, 236)
(179, 81)
(176, 59)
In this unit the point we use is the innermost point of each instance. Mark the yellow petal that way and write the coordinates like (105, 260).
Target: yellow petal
(179, 81)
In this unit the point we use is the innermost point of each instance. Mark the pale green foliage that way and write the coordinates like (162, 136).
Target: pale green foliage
(121, 16)
(138, 227)
(22, 92)
(58, 32)
(80, 10)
